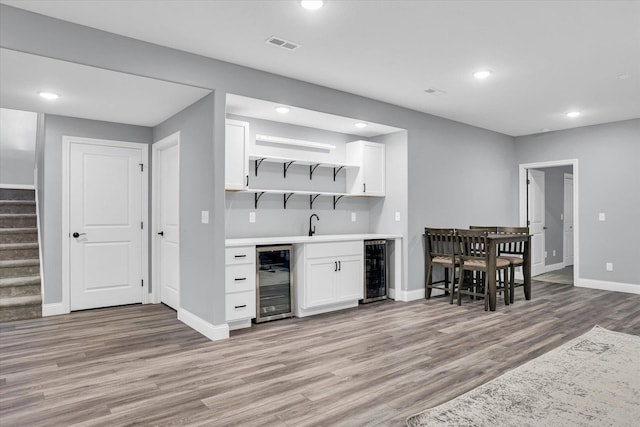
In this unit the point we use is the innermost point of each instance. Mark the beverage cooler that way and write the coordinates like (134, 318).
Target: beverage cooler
(376, 271)
(274, 283)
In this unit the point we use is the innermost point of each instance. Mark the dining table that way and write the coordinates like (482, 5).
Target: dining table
(494, 240)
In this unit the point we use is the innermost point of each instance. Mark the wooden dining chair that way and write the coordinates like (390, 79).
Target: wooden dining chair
(514, 253)
(440, 252)
(472, 245)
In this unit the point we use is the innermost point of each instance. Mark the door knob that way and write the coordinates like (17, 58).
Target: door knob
(76, 234)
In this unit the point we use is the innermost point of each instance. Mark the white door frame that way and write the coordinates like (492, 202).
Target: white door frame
(522, 185)
(66, 268)
(163, 144)
(565, 177)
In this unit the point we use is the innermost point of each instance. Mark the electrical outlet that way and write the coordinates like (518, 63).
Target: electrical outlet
(397, 216)
(601, 216)
(353, 217)
(252, 217)
(561, 217)
(609, 266)
(554, 252)
(204, 217)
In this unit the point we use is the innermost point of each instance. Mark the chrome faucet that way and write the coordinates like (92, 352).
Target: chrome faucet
(312, 230)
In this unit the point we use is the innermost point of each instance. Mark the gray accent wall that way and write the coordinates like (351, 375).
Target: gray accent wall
(51, 221)
(456, 174)
(17, 147)
(201, 251)
(608, 156)
(554, 208)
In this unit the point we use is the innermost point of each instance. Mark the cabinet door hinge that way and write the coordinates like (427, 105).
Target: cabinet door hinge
(141, 167)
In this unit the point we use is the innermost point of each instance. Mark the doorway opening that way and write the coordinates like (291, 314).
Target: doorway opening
(548, 195)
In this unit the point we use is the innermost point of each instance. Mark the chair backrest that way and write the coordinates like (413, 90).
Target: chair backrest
(512, 248)
(472, 243)
(489, 228)
(439, 241)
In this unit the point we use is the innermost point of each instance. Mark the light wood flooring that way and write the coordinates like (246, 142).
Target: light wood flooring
(369, 366)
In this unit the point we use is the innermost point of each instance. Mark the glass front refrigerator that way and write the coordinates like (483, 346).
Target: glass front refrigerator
(274, 283)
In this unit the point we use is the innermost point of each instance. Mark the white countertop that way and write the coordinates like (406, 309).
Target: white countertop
(306, 239)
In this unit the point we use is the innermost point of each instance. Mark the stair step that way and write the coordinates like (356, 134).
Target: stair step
(20, 308)
(17, 206)
(20, 286)
(10, 251)
(19, 268)
(17, 194)
(18, 235)
(17, 220)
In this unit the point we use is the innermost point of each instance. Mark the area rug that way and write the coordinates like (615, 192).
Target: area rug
(593, 380)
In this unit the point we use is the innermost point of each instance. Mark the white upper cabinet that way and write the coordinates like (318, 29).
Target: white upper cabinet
(236, 163)
(369, 178)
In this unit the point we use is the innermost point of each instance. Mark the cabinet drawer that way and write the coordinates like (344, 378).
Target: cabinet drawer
(240, 278)
(240, 255)
(240, 306)
(334, 249)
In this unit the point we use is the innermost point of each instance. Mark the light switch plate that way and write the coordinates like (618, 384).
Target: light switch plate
(353, 217)
(554, 252)
(204, 217)
(601, 216)
(609, 266)
(252, 217)
(545, 254)
(397, 216)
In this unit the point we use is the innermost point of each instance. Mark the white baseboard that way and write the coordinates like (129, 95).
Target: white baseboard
(607, 286)
(213, 332)
(406, 296)
(54, 309)
(551, 267)
(17, 187)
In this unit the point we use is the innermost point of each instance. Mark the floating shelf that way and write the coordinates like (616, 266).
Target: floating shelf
(286, 195)
(288, 161)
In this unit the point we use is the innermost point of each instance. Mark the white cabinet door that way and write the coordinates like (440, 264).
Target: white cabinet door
(369, 178)
(350, 284)
(320, 282)
(236, 161)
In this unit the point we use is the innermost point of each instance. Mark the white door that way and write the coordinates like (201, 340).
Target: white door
(105, 224)
(568, 220)
(350, 279)
(536, 220)
(168, 225)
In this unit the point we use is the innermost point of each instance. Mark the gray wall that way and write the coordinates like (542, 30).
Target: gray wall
(554, 208)
(199, 255)
(51, 221)
(271, 218)
(17, 146)
(608, 157)
(457, 174)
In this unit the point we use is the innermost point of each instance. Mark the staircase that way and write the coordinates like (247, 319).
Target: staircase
(20, 296)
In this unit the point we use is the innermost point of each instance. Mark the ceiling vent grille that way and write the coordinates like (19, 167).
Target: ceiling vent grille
(435, 92)
(284, 44)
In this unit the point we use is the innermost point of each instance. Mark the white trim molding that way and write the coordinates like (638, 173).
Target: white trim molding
(608, 286)
(406, 296)
(213, 332)
(54, 309)
(551, 267)
(17, 187)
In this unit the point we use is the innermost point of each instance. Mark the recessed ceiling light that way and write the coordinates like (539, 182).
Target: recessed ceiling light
(573, 114)
(312, 4)
(482, 74)
(282, 110)
(49, 95)
(361, 125)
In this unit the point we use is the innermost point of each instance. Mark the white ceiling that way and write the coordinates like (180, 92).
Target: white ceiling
(548, 57)
(88, 92)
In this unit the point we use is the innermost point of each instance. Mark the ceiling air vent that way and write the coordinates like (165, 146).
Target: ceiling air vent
(435, 92)
(285, 44)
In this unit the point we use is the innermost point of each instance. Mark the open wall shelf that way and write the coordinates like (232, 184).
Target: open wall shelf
(286, 195)
(288, 161)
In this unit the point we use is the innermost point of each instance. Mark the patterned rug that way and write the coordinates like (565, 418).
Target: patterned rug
(593, 380)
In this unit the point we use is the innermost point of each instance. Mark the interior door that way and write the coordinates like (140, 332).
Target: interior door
(105, 220)
(169, 233)
(536, 220)
(568, 220)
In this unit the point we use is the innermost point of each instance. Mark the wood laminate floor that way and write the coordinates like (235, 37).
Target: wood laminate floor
(369, 366)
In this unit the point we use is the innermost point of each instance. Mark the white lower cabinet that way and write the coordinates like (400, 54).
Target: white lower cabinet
(330, 276)
(240, 286)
